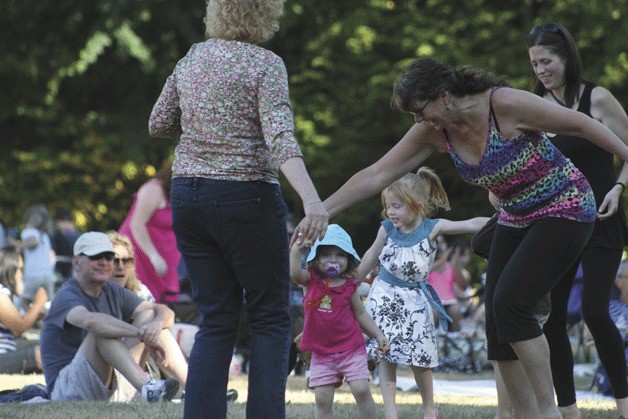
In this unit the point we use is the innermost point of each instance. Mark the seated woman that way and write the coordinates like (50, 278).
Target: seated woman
(16, 359)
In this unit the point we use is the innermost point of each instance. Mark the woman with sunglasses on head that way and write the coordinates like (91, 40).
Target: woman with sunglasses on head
(494, 135)
(558, 77)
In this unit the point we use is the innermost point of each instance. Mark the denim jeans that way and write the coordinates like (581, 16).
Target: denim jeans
(234, 242)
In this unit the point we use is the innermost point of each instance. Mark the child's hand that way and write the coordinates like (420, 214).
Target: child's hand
(383, 345)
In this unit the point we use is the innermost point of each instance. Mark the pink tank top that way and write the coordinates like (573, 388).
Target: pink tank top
(329, 323)
(443, 284)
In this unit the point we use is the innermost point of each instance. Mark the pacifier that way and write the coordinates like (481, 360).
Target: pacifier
(332, 270)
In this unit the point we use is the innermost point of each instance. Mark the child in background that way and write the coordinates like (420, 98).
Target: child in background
(333, 316)
(442, 278)
(38, 254)
(400, 298)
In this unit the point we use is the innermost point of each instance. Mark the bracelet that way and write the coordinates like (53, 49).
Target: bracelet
(623, 187)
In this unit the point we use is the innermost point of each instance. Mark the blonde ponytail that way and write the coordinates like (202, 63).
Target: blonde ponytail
(424, 187)
(436, 195)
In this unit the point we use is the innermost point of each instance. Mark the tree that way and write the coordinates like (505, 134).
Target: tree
(80, 78)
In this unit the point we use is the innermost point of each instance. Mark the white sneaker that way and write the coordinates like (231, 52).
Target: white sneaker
(158, 390)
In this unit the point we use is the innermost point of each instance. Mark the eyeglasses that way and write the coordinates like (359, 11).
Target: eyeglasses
(546, 27)
(108, 256)
(125, 261)
(419, 112)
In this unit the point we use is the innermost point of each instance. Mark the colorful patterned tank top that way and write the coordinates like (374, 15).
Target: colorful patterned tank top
(530, 178)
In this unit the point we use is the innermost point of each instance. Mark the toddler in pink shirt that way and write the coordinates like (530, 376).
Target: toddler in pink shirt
(334, 319)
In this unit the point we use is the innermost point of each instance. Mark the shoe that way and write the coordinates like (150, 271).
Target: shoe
(158, 390)
(232, 395)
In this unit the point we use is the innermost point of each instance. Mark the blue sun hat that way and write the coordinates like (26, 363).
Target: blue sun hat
(335, 236)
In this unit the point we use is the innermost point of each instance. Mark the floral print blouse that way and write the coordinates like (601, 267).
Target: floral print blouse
(227, 103)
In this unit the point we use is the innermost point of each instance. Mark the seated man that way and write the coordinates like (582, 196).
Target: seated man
(96, 332)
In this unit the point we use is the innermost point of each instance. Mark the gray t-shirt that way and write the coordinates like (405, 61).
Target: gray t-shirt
(61, 340)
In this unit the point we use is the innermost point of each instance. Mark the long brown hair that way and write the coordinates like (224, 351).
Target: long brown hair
(164, 175)
(9, 265)
(427, 78)
(558, 40)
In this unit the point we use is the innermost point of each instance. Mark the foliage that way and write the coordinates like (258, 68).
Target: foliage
(79, 80)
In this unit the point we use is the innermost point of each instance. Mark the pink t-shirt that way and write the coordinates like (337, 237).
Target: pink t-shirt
(330, 325)
(443, 284)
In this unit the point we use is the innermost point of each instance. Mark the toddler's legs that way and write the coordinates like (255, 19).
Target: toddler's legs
(361, 391)
(388, 384)
(425, 382)
(324, 399)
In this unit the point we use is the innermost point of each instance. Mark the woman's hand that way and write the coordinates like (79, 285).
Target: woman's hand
(41, 298)
(314, 225)
(610, 204)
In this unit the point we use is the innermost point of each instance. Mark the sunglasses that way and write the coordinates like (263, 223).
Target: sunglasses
(125, 261)
(546, 27)
(107, 256)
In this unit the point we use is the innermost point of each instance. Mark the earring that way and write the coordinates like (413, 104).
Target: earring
(447, 107)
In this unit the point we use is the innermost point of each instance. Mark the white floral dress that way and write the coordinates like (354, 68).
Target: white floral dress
(404, 314)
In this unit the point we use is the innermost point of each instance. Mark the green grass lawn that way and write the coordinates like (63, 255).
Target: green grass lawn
(299, 403)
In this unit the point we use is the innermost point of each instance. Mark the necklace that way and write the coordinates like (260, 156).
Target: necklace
(560, 102)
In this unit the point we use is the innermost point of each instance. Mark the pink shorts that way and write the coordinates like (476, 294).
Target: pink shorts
(328, 369)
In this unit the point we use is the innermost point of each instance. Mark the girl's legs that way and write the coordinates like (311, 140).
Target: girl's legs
(388, 385)
(600, 268)
(361, 391)
(324, 401)
(524, 266)
(425, 382)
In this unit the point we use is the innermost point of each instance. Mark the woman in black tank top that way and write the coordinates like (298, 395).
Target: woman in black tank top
(557, 76)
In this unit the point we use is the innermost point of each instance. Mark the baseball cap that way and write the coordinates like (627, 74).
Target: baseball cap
(92, 243)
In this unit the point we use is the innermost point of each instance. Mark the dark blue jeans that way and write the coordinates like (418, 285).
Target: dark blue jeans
(234, 242)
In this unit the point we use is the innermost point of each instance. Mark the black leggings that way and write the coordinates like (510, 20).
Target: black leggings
(524, 265)
(599, 267)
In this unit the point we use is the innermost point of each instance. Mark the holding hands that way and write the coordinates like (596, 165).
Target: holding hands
(383, 344)
(314, 225)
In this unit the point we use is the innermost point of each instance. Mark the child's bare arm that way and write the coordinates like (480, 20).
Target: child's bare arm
(297, 273)
(367, 323)
(369, 260)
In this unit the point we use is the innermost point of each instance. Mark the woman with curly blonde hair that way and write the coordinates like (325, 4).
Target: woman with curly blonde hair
(227, 104)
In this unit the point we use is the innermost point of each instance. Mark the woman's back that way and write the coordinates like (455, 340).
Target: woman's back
(235, 117)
